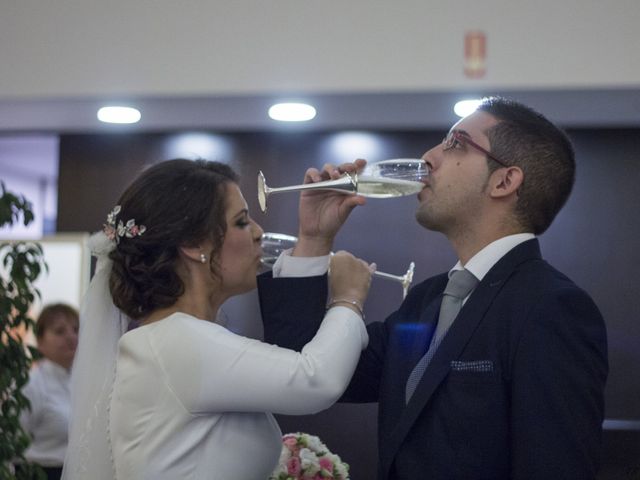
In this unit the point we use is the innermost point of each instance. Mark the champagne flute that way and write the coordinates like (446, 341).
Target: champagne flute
(273, 244)
(385, 179)
(392, 178)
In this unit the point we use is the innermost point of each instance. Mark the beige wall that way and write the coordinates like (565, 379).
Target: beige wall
(66, 48)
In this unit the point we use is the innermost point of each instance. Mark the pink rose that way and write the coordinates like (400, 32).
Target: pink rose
(326, 464)
(290, 442)
(293, 466)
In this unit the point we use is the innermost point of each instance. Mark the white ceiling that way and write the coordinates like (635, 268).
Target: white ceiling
(219, 65)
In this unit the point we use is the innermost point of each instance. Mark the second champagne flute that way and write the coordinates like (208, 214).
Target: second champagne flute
(273, 244)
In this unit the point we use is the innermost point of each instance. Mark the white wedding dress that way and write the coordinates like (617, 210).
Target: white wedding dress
(190, 398)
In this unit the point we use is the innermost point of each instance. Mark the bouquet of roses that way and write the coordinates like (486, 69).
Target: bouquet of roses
(305, 457)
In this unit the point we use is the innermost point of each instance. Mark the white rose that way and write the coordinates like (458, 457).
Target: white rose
(341, 470)
(333, 457)
(285, 455)
(309, 461)
(280, 470)
(315, 444)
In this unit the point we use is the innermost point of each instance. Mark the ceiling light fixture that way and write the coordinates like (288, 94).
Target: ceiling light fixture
(466, 107)
(292, 112)
(119, 114)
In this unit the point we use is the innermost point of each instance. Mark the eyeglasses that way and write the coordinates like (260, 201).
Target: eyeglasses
(456, 136)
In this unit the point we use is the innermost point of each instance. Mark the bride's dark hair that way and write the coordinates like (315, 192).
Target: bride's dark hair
(181, 203)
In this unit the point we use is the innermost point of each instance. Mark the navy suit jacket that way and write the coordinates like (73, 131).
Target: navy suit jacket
(515, 390)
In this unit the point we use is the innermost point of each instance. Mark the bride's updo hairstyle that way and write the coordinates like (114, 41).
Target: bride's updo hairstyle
(175, 203)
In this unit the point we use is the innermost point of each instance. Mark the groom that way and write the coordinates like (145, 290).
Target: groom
(498, 376)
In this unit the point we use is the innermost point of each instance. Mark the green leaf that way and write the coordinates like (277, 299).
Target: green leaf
(23, 263)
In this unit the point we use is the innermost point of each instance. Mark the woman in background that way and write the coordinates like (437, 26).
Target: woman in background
(48, 388)
(181, 396)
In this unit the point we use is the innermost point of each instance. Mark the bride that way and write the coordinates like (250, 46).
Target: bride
(180, 396)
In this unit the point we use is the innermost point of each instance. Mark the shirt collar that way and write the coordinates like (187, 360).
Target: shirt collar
(485, 259)
(57, 370)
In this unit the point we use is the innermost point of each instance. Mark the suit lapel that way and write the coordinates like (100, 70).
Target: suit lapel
(408, 340)
(421, 334)
(456, 339)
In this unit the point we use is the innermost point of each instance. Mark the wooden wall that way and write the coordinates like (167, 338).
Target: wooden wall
(594, 240)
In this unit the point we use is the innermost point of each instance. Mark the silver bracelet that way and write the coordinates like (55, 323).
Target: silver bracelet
(354, 303)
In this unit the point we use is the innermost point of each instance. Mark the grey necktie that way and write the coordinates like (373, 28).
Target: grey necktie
(461, 283)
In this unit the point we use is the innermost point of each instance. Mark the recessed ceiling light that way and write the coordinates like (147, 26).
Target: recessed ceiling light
(116, 114)
(466, 107)
(292, 112)
(346, 145)
(195, 145)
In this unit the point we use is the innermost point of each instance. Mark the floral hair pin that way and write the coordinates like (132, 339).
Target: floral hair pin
(115, 232)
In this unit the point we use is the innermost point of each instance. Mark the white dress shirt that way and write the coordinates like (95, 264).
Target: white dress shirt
(48, 420)
(485, 259)
(288, 266)
(479, 264)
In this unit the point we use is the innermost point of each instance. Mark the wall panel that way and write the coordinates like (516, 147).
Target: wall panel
(594, 241)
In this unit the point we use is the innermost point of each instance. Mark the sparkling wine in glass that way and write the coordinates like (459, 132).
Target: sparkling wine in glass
(392, 178)
(385, 179)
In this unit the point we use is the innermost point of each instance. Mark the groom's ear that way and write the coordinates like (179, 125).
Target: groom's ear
(506, 181)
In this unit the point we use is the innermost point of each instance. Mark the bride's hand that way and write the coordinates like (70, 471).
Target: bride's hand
(349, 279)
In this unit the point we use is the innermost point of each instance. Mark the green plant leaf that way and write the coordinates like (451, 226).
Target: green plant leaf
(23, 263)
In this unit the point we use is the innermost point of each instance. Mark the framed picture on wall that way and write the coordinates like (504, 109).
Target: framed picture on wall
(69, 261)
(66, 278)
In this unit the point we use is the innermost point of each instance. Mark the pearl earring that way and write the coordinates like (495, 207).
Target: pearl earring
(203, 258)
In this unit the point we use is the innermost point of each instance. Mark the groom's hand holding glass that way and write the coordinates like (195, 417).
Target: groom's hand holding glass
(322, 213)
